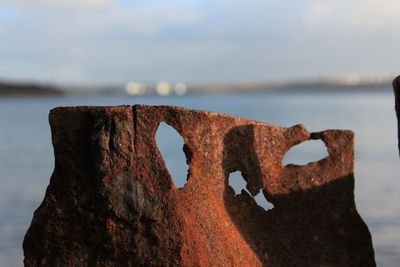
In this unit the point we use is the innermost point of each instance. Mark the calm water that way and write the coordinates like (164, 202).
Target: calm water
(26, 156)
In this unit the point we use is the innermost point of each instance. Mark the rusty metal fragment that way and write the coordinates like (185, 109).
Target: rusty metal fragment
(396, 90)
(112, 202)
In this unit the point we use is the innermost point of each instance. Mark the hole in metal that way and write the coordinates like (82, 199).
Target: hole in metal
(170, 144)
(238, 183)
(306, 152)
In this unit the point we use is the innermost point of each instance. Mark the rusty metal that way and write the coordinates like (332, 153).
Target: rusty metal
(112, 202)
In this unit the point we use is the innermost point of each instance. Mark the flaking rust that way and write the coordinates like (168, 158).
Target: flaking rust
(112, 202)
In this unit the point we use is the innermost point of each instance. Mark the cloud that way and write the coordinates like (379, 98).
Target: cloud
(75, 18)
(353, 15)
(48, 4)
(148, 20)
(116, 41)
(108, 43)
(318, 13)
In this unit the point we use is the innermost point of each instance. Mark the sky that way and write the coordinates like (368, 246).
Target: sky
(114, 42)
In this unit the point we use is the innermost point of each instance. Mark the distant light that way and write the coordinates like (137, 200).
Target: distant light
(134, 88)
(163, 88)
(180, 88)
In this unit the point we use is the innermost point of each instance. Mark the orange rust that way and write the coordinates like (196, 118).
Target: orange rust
(117, 204)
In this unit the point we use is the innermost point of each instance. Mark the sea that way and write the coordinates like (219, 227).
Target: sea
(27, 160)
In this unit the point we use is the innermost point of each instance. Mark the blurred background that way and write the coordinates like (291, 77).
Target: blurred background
(327, 64)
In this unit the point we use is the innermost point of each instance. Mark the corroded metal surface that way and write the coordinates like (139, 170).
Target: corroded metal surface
(111, 200)
(396, 90)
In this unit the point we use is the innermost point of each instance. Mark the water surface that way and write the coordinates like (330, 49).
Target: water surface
(27, 161)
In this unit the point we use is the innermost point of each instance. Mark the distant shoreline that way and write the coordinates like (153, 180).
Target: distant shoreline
(32, 89)
(14, 89)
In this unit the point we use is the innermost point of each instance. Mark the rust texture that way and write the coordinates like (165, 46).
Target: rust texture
(112, 202)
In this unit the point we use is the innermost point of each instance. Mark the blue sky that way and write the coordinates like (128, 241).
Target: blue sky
(108, 42)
